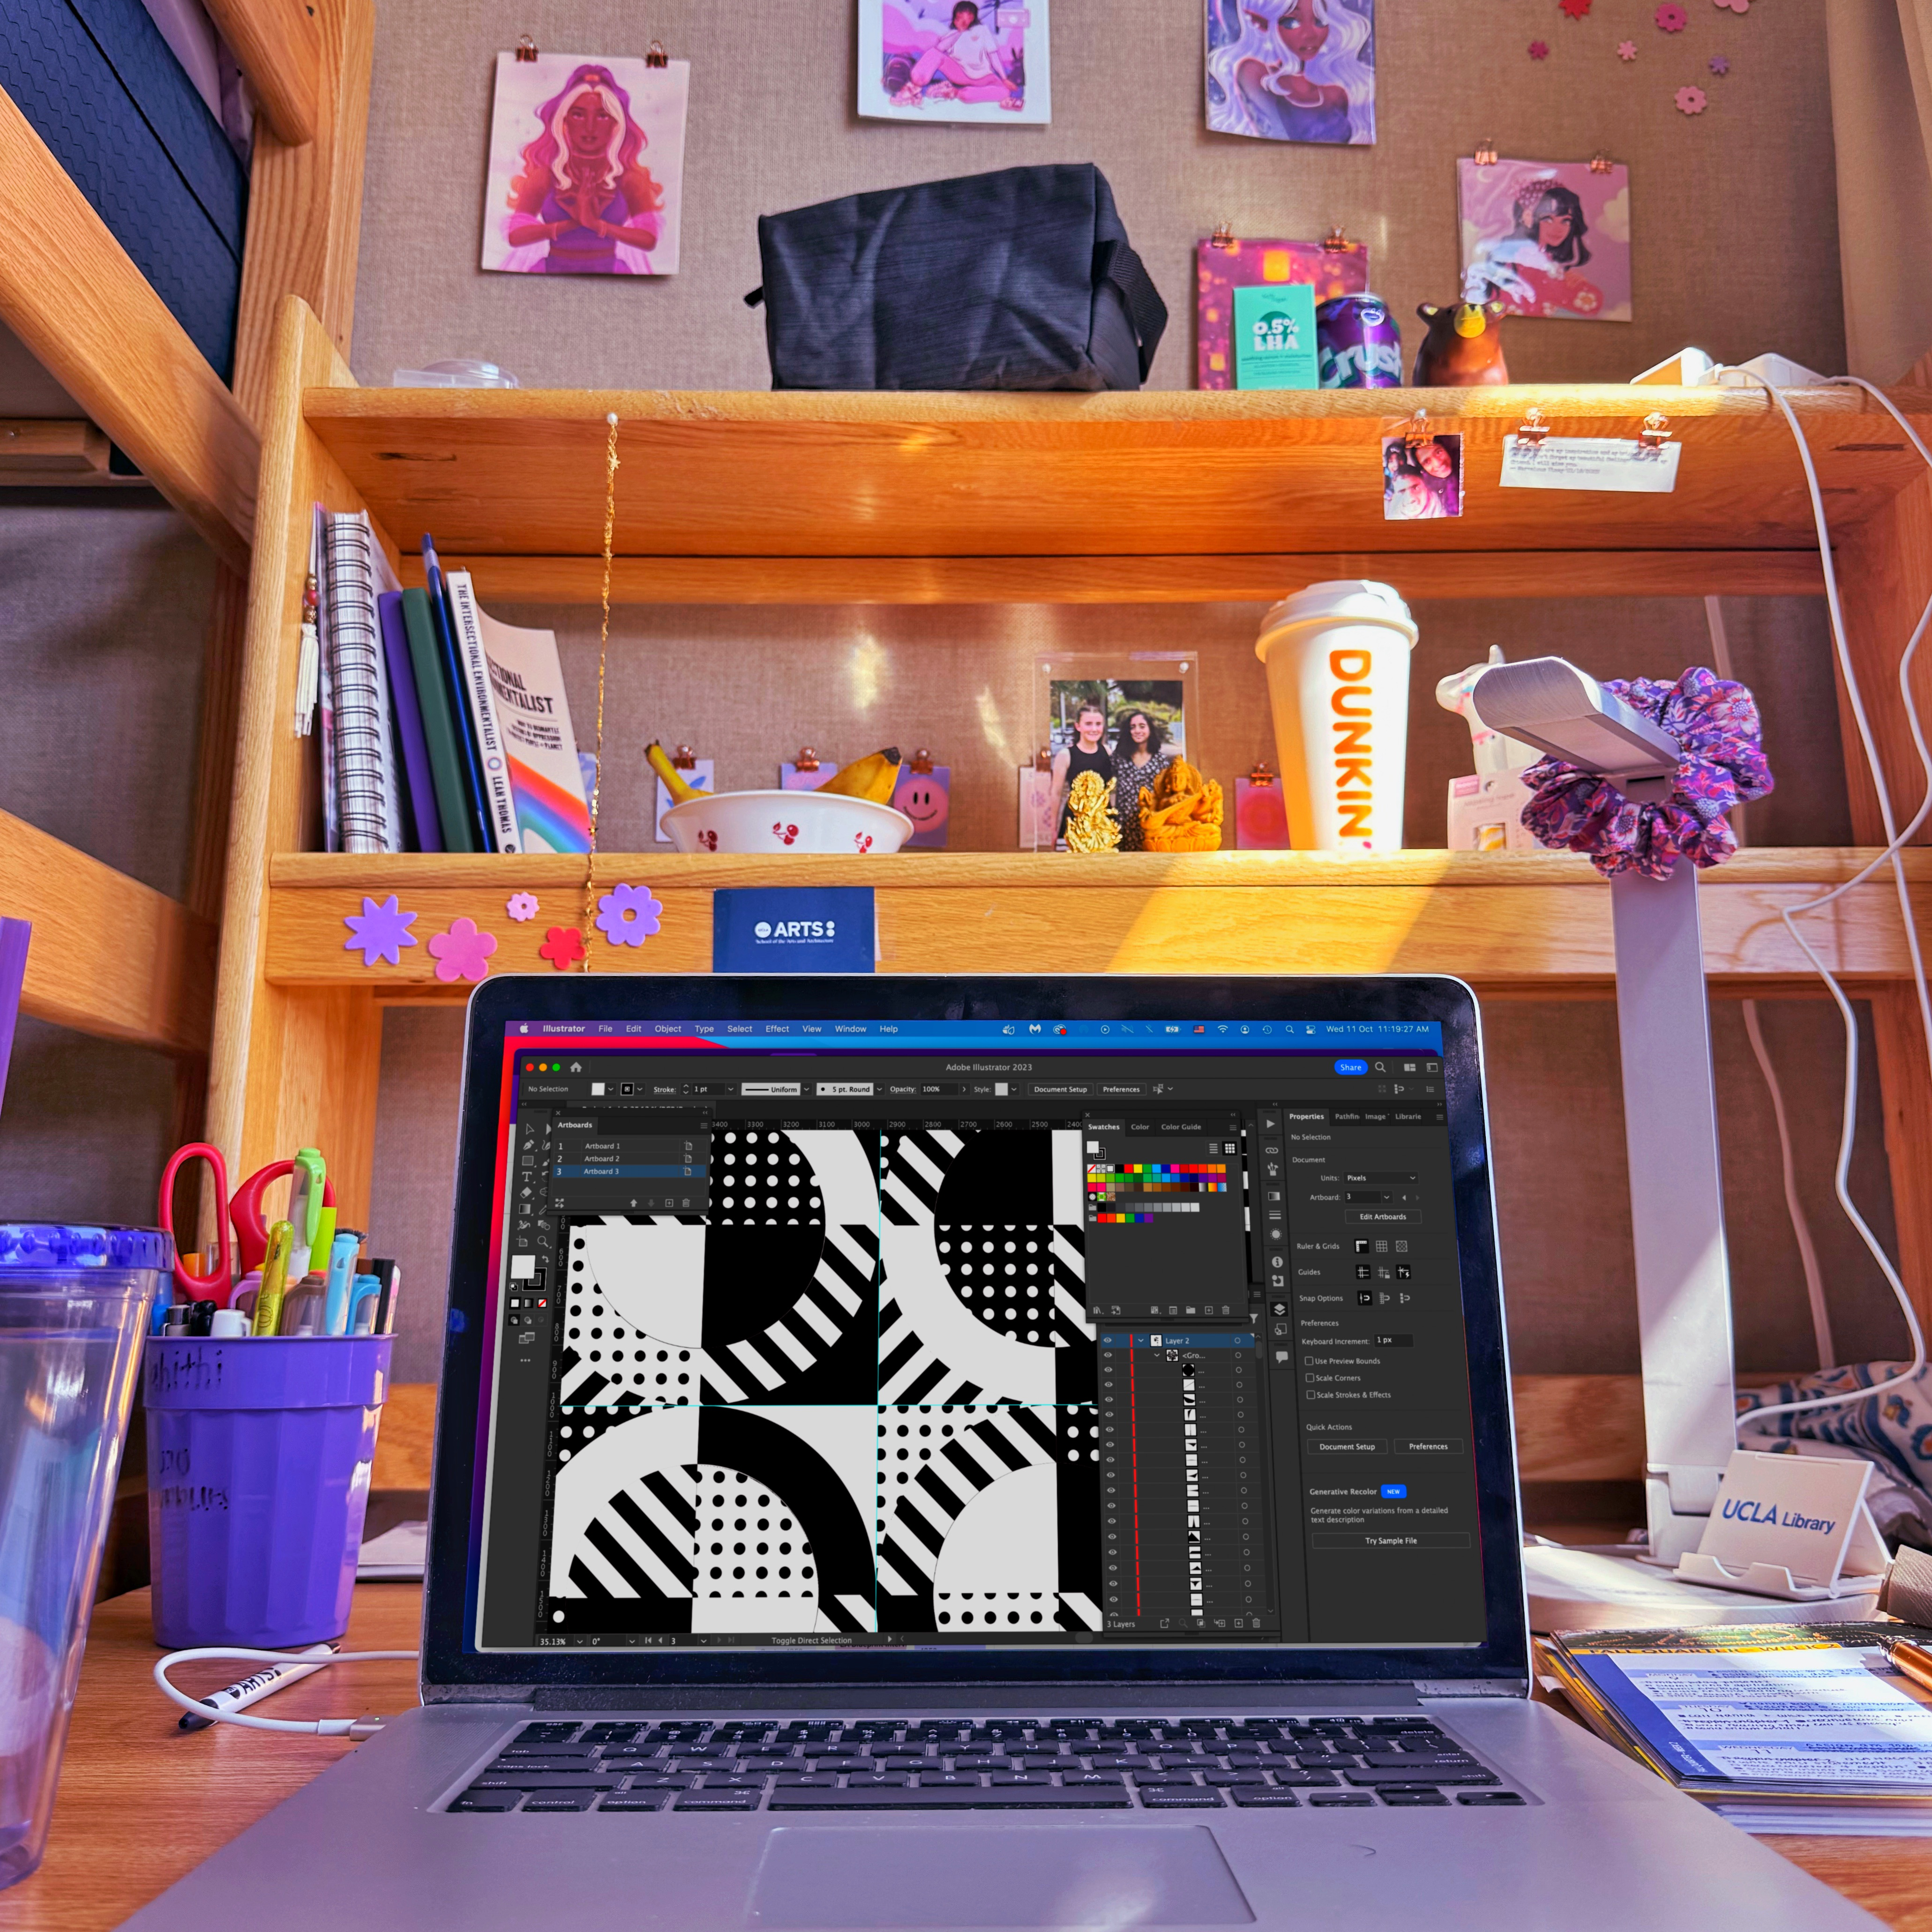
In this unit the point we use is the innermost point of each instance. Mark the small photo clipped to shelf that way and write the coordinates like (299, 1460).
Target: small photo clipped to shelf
(1422, 477)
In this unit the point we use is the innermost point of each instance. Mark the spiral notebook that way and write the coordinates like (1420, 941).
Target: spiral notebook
(354, 572)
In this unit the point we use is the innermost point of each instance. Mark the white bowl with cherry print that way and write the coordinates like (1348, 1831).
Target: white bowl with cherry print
(743, 822)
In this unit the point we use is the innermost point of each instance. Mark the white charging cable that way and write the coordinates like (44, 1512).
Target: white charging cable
(1896, 840)
(315, 1727)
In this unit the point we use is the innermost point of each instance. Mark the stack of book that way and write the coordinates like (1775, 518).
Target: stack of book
(1818, 1729)
(442, 731)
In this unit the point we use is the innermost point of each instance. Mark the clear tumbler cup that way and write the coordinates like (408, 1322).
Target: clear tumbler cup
(74, 1306)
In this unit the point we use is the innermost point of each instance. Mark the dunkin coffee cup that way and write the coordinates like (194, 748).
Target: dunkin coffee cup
(1338, 661)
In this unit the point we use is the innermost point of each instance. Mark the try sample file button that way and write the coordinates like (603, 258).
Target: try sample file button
(1389, 1539)
(1428, 1445)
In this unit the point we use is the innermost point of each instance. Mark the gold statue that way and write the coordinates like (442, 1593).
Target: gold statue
(1091, 825)
(1183, 813)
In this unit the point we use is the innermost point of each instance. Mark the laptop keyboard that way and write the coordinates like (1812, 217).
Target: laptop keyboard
(951, 1764)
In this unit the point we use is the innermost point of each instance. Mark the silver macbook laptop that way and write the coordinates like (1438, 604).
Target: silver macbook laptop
(968, 1452)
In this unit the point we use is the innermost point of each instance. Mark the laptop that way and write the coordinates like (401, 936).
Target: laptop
(962, 1453)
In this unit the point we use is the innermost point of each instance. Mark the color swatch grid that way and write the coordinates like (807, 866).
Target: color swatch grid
(1107, 1185)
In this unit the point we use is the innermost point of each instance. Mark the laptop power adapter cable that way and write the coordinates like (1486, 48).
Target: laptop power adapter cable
(357, 1728)
(1896, 840)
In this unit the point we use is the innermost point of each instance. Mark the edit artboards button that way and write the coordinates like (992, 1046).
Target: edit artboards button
(1351, 1066)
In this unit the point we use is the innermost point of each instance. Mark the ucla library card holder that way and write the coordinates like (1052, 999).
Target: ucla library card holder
(792, 929)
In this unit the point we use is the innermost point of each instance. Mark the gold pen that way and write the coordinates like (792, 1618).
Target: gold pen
(274, 1278)
(1914, 1659)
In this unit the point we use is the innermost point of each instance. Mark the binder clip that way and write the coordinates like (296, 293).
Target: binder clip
(1656, 431)
(920, 761)
(1336, 241)
(684, 758)
(656, 56)
(1043, 759)
(526, 48)
(1416, 429)
(807, 760)
(1599, 163)
(1532, 429)
(1486, 153)
(1223, 236)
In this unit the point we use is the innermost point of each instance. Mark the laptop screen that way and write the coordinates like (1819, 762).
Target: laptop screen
(923, 1334)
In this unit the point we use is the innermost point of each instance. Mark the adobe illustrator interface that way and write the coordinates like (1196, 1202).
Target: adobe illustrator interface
(820, 1336)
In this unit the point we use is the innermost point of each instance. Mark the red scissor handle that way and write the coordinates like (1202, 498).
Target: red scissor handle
(251, 1228)
(219, 1285)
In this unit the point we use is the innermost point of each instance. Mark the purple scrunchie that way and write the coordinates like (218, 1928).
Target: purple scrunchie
(1716, 721)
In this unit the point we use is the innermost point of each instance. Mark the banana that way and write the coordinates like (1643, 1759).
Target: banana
(660, 761)
(875, 778)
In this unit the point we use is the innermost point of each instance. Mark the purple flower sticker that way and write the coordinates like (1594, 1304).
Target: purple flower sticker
(462, 952)
(380, 931)
(520, 906)
(628, 915)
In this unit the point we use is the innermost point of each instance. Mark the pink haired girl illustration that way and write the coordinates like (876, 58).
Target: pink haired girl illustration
(583, 190)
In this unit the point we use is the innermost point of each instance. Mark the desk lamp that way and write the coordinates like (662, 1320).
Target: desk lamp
(1648, 806)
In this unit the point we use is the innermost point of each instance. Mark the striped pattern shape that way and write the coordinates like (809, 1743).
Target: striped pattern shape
(910, 1170)
(643, 1542)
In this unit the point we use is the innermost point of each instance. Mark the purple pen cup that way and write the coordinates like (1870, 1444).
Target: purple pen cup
(259, 1457)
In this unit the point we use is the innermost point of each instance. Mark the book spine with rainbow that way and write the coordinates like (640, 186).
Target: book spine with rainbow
(533, 716)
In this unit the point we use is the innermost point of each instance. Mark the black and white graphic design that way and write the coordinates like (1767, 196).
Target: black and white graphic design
(745, 1519)
(771, 1298)
(984, 1252)
(989, 1516)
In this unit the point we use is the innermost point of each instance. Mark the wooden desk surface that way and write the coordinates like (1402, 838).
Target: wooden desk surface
(141, 1802)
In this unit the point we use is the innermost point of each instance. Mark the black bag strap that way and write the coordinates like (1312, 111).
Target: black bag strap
(1116, 262)
(756, 296)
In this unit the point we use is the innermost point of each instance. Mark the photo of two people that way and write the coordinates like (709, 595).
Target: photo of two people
(1127, 731)
(1421, 477)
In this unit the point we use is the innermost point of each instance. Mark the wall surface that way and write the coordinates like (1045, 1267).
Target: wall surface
(1734, 249)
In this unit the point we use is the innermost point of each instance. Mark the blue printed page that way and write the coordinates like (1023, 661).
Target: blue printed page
(1808, 1717)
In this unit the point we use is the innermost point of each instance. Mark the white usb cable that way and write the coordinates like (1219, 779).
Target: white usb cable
(319, 1727)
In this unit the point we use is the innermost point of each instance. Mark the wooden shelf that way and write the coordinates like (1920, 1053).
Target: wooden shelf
(1534, 923)
(110, 955)
(904, 498)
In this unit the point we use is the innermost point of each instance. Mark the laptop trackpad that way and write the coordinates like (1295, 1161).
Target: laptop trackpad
(973, 1876)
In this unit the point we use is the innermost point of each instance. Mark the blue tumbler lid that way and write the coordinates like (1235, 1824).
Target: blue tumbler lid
(60, 1244)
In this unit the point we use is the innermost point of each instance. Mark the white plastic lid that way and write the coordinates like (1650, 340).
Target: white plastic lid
(1347, 600)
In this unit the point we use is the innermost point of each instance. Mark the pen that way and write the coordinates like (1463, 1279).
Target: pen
(304, 1209)
(1914, 1659)
(274, 1278)
(366, 1305)
(390, 1275)
(265, 1683)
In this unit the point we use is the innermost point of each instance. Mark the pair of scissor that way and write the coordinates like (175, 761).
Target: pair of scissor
(244, 1211)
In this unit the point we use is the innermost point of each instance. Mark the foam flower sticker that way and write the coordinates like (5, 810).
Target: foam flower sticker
(1690, 100)
(562, 946)
(1576, 9)
(1736, 6)
(1539, 50)
(462, 952)
(628, 915)
(520, 906)
(1627, 50)
(380, 931)
(1720, 64)
(1671, 18)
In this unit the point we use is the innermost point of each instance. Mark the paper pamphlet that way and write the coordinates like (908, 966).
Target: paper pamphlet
(1590, 463)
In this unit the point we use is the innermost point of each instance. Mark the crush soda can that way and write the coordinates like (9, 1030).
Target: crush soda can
(1360, 346)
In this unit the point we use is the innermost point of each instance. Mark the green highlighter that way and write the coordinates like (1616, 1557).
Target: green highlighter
(1275, 345)
(305, 1209)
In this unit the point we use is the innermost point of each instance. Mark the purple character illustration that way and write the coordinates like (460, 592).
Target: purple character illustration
(583, 189)
(1292, 70)
(968, 60)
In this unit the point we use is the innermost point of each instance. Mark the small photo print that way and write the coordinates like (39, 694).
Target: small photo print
(1421, 480)
(987, 60)
(1547, 238)
(587, 167)
(1292, 70)
(1129, 730)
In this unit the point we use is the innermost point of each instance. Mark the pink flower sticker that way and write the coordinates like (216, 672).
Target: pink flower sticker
(1671, 18)
(1627, 50)
(562, 946)
(520, 906)
(462, 952)
(1736, 6)
(1690, 100)
(628, 915)
(1539, 50)
(380, 931)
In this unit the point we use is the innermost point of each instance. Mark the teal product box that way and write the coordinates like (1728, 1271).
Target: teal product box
(1275, 339)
